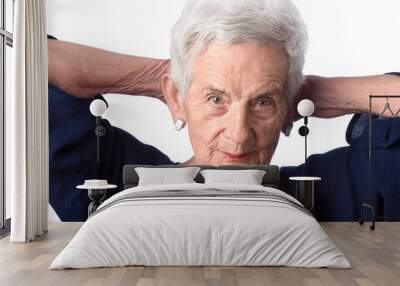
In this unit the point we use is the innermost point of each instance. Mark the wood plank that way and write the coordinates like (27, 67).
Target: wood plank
(375, 257)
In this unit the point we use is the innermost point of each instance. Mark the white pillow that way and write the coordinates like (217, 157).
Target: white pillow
(166, 176)
(247, 177)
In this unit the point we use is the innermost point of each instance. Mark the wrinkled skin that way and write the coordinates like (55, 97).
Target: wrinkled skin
(235, 106)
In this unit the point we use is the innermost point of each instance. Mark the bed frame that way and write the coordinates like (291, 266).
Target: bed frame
(270, 179)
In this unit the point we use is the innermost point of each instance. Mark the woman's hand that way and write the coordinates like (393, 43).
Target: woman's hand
(305, 92)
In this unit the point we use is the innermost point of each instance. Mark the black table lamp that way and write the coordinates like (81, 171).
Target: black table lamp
(306, 109)
(97, 108)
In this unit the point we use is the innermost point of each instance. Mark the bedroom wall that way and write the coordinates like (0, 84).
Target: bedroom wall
(347, 38)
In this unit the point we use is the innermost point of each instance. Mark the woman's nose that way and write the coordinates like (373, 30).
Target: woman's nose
(238, 126)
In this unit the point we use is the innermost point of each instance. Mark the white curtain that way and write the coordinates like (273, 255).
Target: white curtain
(27, 122)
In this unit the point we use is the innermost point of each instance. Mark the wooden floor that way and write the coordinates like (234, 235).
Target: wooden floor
(375, 257)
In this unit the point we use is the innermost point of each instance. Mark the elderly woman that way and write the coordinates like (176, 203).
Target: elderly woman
(234, 73)
(234, 77)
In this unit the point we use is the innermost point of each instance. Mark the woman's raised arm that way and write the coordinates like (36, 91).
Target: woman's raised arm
(85, 71)
(338, 96)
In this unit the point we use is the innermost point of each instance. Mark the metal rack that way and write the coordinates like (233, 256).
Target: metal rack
(370, 204)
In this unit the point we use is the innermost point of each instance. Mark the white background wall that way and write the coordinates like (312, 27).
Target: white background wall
(347, 38)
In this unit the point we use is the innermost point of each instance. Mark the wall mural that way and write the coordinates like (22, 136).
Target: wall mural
(234, 81)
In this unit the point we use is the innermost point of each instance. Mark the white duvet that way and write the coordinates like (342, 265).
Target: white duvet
(200, 231)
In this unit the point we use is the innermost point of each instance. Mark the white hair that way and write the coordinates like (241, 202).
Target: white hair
(236, 21)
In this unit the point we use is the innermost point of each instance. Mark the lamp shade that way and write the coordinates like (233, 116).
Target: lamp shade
(98, 107)
(305, 108)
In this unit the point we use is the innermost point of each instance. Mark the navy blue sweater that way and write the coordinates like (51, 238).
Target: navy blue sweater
(72, 154)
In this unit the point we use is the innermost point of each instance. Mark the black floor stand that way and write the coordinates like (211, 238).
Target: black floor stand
(361, 220)
(370, 206)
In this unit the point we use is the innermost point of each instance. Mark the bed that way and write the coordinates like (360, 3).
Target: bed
(201, 224)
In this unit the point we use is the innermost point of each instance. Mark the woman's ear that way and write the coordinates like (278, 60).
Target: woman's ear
(287, 128)
(173, 98)
(287, 125)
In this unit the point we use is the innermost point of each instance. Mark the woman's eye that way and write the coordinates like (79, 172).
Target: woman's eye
(264, 106)
(215, 99)
(263, 102)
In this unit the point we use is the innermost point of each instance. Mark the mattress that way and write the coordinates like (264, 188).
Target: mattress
(201, 225)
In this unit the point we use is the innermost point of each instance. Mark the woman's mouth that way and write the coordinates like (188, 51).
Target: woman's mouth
(237, 157)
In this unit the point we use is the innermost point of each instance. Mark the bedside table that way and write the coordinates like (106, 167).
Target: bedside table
(96, 192)
(305, 190)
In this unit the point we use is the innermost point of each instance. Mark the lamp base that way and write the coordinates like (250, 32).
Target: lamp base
(304, 131)
(100, 131)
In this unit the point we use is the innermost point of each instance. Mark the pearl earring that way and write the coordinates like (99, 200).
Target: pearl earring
(179, 124)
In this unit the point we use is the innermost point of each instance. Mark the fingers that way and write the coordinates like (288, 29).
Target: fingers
(304, 92)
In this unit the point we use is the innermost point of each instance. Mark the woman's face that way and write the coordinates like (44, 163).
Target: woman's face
(235, 106)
